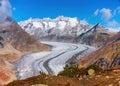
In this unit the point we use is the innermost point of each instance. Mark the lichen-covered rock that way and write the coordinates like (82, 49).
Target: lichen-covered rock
(91, 72)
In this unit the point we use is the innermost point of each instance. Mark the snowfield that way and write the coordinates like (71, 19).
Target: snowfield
(51, 62)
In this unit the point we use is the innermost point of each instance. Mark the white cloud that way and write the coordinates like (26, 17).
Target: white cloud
(114, 29)
(106, 13)
(117, 10)
(84, 22)
(96, 12)
(5, 9)
(113, 26)
(112, 23)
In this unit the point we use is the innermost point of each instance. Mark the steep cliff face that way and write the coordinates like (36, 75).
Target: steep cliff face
(97, 36)
(106, 57)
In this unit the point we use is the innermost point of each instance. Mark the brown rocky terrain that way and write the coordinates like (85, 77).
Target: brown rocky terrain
(106, 57)
(8, 54)
(114, 38)
(106, 78)
(47, 80)
(6, 74)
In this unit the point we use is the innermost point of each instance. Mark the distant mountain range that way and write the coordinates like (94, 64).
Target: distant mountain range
(66, 29)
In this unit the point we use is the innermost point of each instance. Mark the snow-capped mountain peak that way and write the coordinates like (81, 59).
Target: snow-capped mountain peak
(60, 28)
(64, 24)
(66, 29)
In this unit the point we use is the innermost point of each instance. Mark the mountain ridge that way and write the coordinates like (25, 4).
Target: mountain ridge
(18, 38)
(66, 29)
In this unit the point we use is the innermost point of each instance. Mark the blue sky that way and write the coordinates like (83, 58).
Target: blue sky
(106, 12)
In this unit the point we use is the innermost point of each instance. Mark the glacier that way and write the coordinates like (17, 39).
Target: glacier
(51, 62)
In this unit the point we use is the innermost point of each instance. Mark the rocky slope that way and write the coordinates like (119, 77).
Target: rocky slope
(66, 29)
(97, 36)
(106, 57)
(6, 74)
(114, 38)
(11, 32)
(8, 54)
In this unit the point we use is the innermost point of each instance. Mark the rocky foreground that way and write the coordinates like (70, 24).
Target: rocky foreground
(110, 77)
